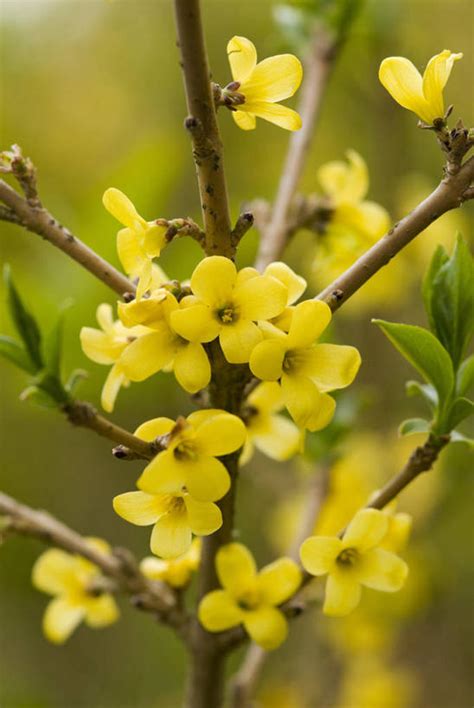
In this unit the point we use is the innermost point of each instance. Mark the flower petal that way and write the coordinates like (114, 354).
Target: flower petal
(163, 475)
(236, 569)
(220, 434)
(114, 381)
(218, 611)
(295, 284)
(404, 83)
(148, 354)
(206, 478)
(53, 572)
(302, 398)
(273, 79)
(345, 182)
(99, 347)
(245, 120)
(101, 611)
(140, 508)
(267, 397)
(382, 570)
(366, 530)
(242, 57)
(121, 207)
(239, 340)
(192, 368)
(435, 78)
(275, 113)
(266, 360)
(333, 366)
(131, 254)
(342, 594)
(203, 517)
(279, 580)
(323, 415)
(171, 535)
(280, 439)
(61, 619)
(213, 280)
(310, 318)
(151, 429)
(267, 626)
(318, 554)
(261, 298)
(195, 323)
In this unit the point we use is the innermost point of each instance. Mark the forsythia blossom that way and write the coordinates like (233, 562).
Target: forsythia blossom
(422, 95)
(248, 597)
(176, 572)
(258, 88)
(355, 560)
(75, 584)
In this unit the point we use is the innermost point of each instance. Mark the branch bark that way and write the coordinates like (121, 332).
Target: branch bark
(38, 220)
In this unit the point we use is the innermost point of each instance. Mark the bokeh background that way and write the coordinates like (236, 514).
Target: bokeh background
(92, 92)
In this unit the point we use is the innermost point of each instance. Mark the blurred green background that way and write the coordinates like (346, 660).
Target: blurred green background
(92, 92)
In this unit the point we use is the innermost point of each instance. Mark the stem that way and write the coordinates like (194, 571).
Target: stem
(202, 126)
(38, 220)
(450, 194)
(320, 60)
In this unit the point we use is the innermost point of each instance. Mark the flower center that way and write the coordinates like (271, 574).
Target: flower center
(175, 504)
(249, 600)
(347, 557)
(227, 314)
(185, 451)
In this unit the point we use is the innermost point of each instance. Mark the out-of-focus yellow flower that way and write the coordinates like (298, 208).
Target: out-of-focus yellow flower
(227, 304)
(74, 583)
(305, 370)
(281, 695)
(175, 517)
(139, 242)
(355, 560)
(273, 434)
(422, 95)
(263, 85)
(176, 572)
(189, 461)
(161, 347)
(248, 597)
(370, 683)
(106, 346)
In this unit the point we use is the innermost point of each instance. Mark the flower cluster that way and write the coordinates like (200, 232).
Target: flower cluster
(77, 588)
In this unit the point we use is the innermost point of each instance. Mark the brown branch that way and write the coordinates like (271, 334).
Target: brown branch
(120, 565)
(203, 129)
(453, 190)
(36, 219)
(320, 60)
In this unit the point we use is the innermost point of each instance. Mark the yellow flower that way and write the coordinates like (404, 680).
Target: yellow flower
(175, 517)
(75, 584)
(227, 305)
(161, 347)
(369, 683)
(295, 285)
(139, 242)
(176, 572)
(306, 370)
(106, 346)
(422, 95)
(262, 85)
(271, 433)
(189, 461)
(356, 559)
(248, 597)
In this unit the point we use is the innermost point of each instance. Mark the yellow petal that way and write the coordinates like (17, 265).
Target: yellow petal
(242, 57)
(206, 479)
(61, 619)
(220, 434)
(261, 298)
(275, 113)
(278, 581)
(101, 611)
(273, 79)
(404, 83)
(213, 280)
(163, 475)
(323, 415)
(318, 554)
(151, 429)
(171, 535)
(53, 572)
(150, 311)
(245, 120)
(345, 182)
(399, 528)
(435, 79)
(295, 284)
(238, 340)
(144, 277)
(342, 594)
(120, 206)
(192, 368)
(369, 219)
(219, 611)
(236, 569)
(382, 570)
(281, 439)
(267, 397)
(302, 398)
(310, 318)
(112, 385)
(148, 354)
(366, 530)
(140, 508)
(267, 626)
(196, 323)
(154, 239)
(100, 347)
(333, 366)
(130, 251)
(203, 517)
(266, 360)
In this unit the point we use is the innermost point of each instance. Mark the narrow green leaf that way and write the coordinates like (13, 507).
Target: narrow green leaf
(414, 425)
(15, 352)
(36, 395)
(426, 391)
(424, 352)
(465, 376)
(461, 409)
(440, 257)
(24, 322)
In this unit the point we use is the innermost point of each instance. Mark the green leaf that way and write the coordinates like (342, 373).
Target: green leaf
(24, 322)
(52, 386)
(15, 352)
(465, 376)
(53, 344)
(462, 408)
(440, 257)
(76, 377)
(426, 391)
(425, 353)
(457, 437)
(414, 425)
(34, 394)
